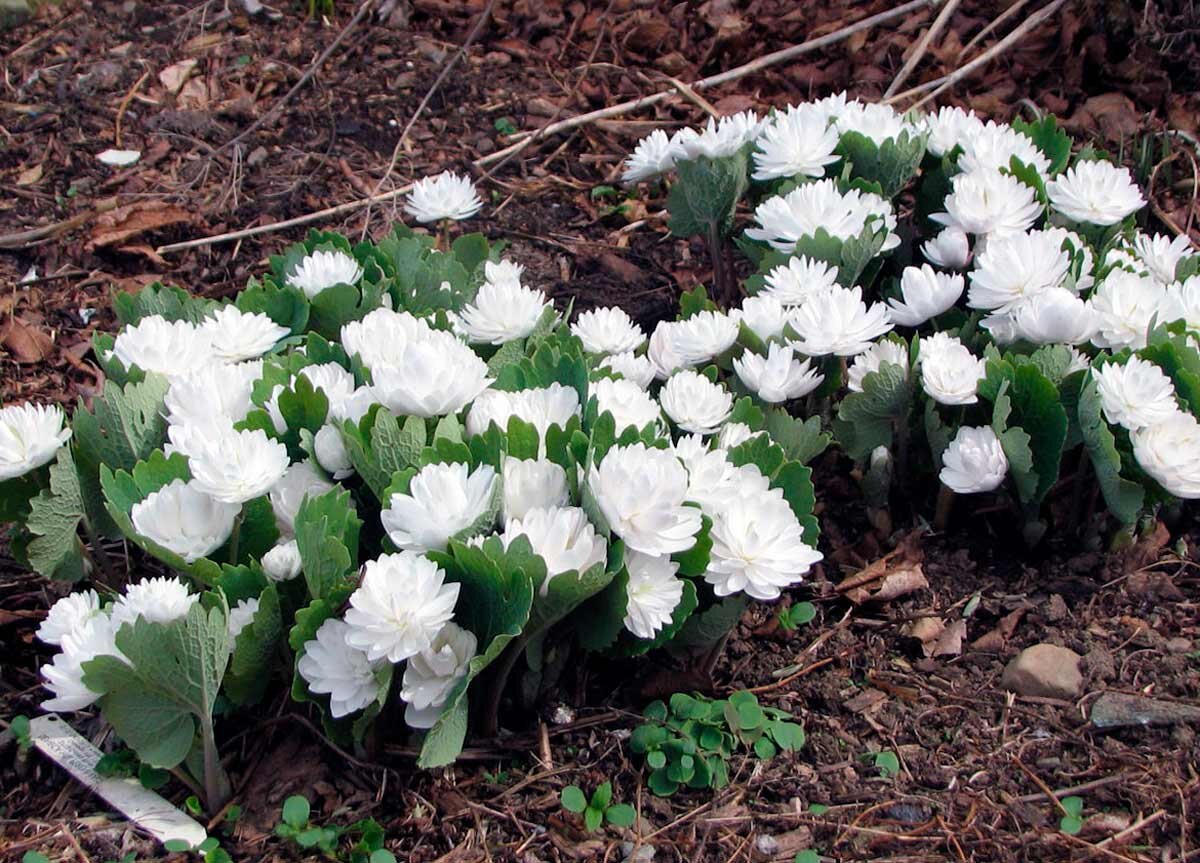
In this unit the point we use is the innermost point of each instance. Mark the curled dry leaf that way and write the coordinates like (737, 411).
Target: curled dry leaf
(173, 77)
(30, 175)
(885, 584)
(994, 641)
(937, 637)
(131, 220)
(26, 343)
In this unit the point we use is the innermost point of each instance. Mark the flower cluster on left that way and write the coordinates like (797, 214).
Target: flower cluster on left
(379, 471)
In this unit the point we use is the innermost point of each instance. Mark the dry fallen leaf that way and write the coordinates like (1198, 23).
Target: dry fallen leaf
(27, 344)
(905, 579)
(173, 77)
(866, 701)
(994, 641)
(937, 637)
(124, 223)
(30, 175)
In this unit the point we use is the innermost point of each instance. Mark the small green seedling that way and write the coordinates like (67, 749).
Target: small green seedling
(20, 733)
(210, 850)
(807, 856)
(34, 857)
(1072, 821)
(297, 827)
(887, 763)
(797, 615)
(505, 126)
(689, 741)
(124, 764)
(598, 809)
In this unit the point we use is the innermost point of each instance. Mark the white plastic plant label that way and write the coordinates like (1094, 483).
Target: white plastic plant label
(59, 742)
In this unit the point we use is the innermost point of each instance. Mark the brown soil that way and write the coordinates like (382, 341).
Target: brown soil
(974, 760)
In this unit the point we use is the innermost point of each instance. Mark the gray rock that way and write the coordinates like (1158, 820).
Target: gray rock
(1045, 670)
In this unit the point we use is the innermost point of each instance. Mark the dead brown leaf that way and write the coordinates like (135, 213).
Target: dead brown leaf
(936, 636)
(26, 343)
(994, 641)
(950, 642)
(131, 220)
(905, 579)
(1113, 115)
(173, 77)
(1154, 585)
(30, 175)
(867, 701)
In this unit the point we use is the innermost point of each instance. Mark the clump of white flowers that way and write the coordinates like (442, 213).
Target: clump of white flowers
(399, 464)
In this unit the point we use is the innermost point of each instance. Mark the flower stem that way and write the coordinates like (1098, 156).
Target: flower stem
(444, 236)
(489, 720)
(216, 783)
(98, 554)
(235, 539)
(725, 288)
(945, 502)
(1077, 488)
(901, 428)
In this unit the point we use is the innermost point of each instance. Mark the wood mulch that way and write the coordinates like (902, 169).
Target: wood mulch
(180, 81)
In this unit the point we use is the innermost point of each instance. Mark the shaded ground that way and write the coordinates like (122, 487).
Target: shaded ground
(969, 754)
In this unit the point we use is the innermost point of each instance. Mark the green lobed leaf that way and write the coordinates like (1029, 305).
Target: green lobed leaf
(867, 418)
(157, 702)
(705, 195)
(1046, 135)
(54, 518)
(327, 528)
(1123, 497)
(172, 303)
(124, 426)
(494, 601)
(706, 628)
(890, 164)
(254, 651)
(286, 306)
(801, 440)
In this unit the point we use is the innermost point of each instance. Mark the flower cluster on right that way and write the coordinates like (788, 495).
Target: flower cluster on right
(1031, 328)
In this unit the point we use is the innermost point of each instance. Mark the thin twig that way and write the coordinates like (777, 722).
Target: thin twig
(570, 123)
(996, 22)
(307, 218)
(586, 67)
(940, 85)
(82, 855)
(808, 669)
(1077, 789)
(921, 47)
(124, 105)
(1037, 780)
(694, 97)
(524, 139)
(437, 82)
(304, 79)
(1132, 829)
(23, 239)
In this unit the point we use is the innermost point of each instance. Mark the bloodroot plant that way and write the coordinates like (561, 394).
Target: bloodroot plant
(1031, 344)
(394, 477)
(387, 474)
